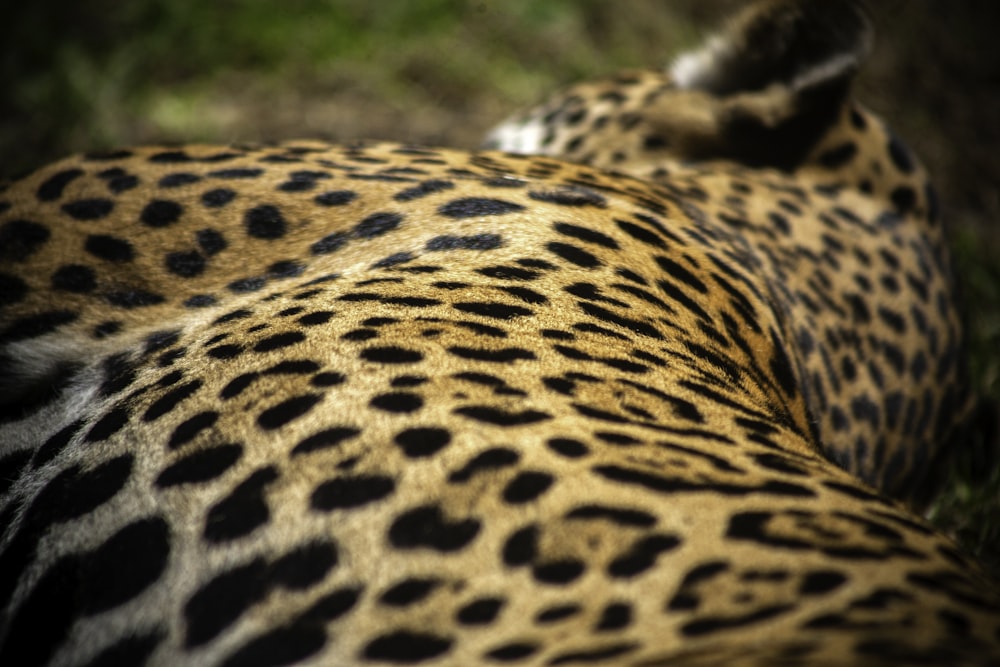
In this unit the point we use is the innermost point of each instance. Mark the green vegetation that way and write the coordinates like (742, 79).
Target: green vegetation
(100, 72)
(92, 74)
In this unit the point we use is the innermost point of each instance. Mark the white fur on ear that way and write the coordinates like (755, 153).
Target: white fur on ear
(798, 44)
(836, 67)
(518, 137)
(691, 68)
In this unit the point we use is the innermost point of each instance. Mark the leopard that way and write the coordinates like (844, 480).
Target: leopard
(661, 375)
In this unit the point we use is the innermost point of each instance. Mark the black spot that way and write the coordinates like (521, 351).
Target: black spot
(245, 285)
(288, 410)
(19, 239)
(110, 248)
(686, 598)
(329, 243)
(508, 273)
(285, 269)
(600, 655)
(904, 198)
(265, 222)
(422, 442)
(499, 417)
(587, 235)
(473, 242)
(242, 511)
(177, 180)
(293, 367)
(571, 196)
(35, 326)
(427, 527)
(394, 260)
(122, 183)
(108, 425)
(501, 356)
(331, 606)
(224, 351)
(302, 181)
(526, 487)
(170, 157)
(327, 379)
(512, 652)
(70, 494)
(480, 612)
(217, 198)
(304, 566)
(391, 355)
(406, 647)
(642, 555)
(560, 572)
(133, 298)
(217, 604)
(45, 609)
(170, 400)
(210, 241)
(13, 464)
(494, 310)
(105, 329)
(491, 459)
(279, 341)
(571, 449)
(557, 613)
(615, 616)
(125, 565)
(709, 625)
(160, 340)
(521, 547)
(781, 464)
(201, 466)
(573, 254)
(70, 278)
(279, 646)
(408, 592)
(335, 198)
(185, 264)
(822, 581)
(88, 209)
(655, 142)
(424, 189)
(472, 207)
(48, 451)
(398, 402)
(681, 273)
(351, 492)
(188, 429)
(52, 188)
(900, 155)
(161, 213)
(316, 318)
(99, 156)
(237, 172)
(377, 224)
(409, 381)
(325, 439)
(839, 155)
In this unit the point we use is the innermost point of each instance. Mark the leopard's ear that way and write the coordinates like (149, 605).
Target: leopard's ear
(797, 45)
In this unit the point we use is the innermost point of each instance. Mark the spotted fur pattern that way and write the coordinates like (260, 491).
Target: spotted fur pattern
(382, 404)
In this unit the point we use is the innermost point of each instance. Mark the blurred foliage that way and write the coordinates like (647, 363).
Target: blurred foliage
(91, 74)
(95, 73)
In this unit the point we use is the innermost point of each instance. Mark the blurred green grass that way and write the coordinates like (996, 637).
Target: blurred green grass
(94, 74)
